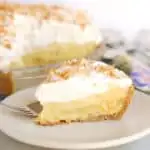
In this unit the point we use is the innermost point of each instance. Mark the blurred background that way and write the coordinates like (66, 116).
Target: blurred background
(127, 15)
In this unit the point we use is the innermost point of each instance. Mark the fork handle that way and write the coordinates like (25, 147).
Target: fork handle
(10, 107)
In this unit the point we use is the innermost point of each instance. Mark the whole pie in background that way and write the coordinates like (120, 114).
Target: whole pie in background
(38, 34)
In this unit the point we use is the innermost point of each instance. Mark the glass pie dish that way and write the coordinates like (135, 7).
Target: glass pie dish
(30, 76)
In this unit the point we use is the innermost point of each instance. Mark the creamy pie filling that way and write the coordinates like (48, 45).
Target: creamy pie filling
(107, 103)
(84, 92)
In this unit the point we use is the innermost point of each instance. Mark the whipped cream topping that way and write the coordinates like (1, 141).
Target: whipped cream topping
(77, 87)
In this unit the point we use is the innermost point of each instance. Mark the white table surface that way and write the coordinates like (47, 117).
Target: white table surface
(7, 143)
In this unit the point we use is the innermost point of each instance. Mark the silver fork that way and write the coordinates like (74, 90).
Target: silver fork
(22, 110)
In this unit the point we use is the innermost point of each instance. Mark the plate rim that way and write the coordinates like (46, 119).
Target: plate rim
(93, 145)
(64, 145)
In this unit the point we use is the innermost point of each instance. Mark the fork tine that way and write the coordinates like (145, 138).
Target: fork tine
(28, 111)
(24, 110)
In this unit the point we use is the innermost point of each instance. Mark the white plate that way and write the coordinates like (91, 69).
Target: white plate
(134, 125)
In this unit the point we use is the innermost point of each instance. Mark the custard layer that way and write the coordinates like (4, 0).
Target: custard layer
(55, 53)
(108, 103)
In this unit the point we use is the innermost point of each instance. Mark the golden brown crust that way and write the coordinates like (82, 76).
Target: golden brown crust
(95, 117)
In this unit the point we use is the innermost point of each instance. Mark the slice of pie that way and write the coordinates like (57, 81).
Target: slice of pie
(81, 91)
(38, 34)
